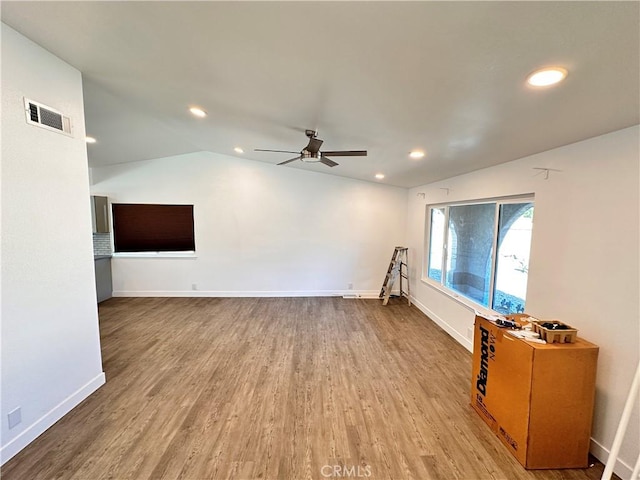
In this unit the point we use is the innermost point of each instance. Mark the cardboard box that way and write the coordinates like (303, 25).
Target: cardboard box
(537, 398)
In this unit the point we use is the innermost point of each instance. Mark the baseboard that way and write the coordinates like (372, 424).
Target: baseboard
(249, 294)
(52, 416)
(621, 469)
(462, 340)
(368, 295)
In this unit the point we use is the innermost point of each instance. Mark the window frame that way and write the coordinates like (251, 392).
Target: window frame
(441, 285)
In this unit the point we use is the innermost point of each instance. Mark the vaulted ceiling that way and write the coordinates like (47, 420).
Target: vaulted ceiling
(388, 77)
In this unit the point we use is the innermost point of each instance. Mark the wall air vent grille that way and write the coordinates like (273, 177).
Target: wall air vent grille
(51, 119)
(46, 117)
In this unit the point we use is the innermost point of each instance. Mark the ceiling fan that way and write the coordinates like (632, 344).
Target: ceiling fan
(311, 153)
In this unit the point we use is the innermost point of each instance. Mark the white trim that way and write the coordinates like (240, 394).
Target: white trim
(34, 430)
(465, 342)
(494, 255)
(242, 293)
(189, 255)
(621, 468)
(427, 240)
(506, 199)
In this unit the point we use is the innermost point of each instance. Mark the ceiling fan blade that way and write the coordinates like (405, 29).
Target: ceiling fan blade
(277, 151)
(328, 161)
(290, 160)
(346, 153)
(314, 145)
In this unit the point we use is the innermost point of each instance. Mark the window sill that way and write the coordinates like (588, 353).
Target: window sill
(188, 255)
(461, 299)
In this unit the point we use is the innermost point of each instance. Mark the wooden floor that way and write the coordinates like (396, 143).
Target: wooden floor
(275, 388)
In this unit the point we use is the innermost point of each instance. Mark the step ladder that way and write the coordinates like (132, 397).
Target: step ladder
(395, 272)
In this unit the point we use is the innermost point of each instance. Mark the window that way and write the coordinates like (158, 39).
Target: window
(152, 228)
(462, 239)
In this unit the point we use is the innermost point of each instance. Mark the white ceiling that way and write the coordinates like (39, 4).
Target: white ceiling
(447, 77)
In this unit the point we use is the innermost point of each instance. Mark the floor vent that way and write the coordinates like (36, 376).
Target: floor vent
(46, 117)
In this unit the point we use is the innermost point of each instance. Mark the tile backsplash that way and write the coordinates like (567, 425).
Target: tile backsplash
(102, 244)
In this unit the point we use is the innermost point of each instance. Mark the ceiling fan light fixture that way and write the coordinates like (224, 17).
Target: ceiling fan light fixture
(545, 77)
(309, 157)
(416, 154)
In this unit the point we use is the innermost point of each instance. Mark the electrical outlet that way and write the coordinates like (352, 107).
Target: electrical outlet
(194, 286)
(15, 417)
(350, 286)
(469, 333)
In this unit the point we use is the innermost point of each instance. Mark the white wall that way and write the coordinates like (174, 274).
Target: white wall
(261, 230)
(50, 342)
(584, 264)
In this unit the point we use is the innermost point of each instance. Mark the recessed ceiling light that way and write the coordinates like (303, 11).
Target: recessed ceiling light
(198, 112)
(238, 150)
(379, 176)
(416, 154)
(89, 139)
(547, 76)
